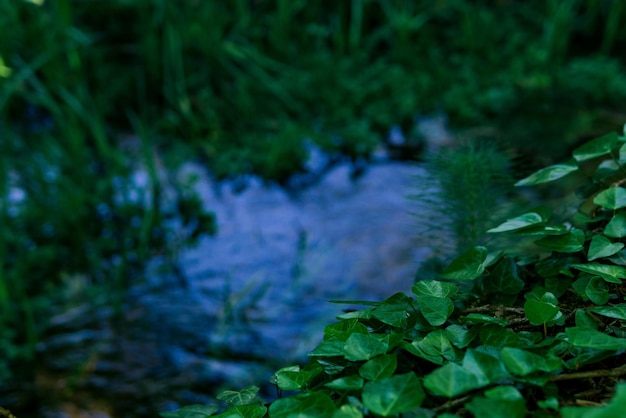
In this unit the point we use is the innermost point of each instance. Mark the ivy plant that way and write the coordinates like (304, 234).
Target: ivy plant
(499, 335)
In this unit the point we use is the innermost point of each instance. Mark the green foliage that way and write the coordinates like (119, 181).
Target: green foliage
(498, 335)
(265, 75)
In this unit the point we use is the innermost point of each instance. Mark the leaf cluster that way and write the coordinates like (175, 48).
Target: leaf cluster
(498, 335)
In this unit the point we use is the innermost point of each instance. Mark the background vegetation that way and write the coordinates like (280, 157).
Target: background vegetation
(239, 85)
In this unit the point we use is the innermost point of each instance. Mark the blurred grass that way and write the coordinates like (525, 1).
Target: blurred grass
(239, 85)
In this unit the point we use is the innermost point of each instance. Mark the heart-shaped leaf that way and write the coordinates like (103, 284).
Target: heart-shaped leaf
(434, 288)
(436, 310)
(611, 198)
(452, 380)
(569, 242)
(616, 228)
(393, 395)
(610, 273)
(539, 312)
(548, 174)
(536, 217)
(596, 147)
(468, 266)
(601, 247)
(379, 367)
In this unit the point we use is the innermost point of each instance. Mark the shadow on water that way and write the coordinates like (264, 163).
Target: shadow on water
(254, 296)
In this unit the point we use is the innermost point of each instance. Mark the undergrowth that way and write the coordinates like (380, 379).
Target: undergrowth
(498, 334)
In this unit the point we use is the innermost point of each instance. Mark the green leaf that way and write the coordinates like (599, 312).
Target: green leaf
(393, 310)
(503, 278)
(523, 363)
(601, 247)
(329, 348)
(540, 312)
(497, 336)
(487, 368)
(585, 321)
(548, 174)
(611, 198)
(244, 397)
(292, 377)
(348, 411)
(537, 217)
(344, 327)
(499, 402)
(434, 288)
(586, 338)
(460, 336)
(352, 382)
(436, 343)
(597, 291)
(436, 310)
(451, 380)
(379, 367)
(191, 411)
(521, 222)
(616, 228)
(307, 405)
(610, 273)
(243, 411)
(394, 395)
(596, 147)
(569, 242)
(478, 318)
(363, 347)
(468, 266)
(616, 311)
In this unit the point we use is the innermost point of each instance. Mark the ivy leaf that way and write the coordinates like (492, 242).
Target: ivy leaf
(539, 312)
(587, 338)
(468, 266)
(393, 310)
(597, 291)
(452, 380)
(311, 404)
(611, 198)
(616, 228)
(434, 288)
(436, 343)
(569, 242)
(348, 411)
(499, 402)
(393, 395)
(460, 336)
(503, 278)
(329, 348)
(596, 147)
(601, 247)
(536, 217)
(363, 347)
(379, 367)
(487, 368)
(616, 311)
(522, 363)
(243, 411)
(191, 411)
(497, 336)
(292, 377)
(243, 397)
(610, 273)
(344, 327)
(352, 382)
(436, 310)
(548, 174)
